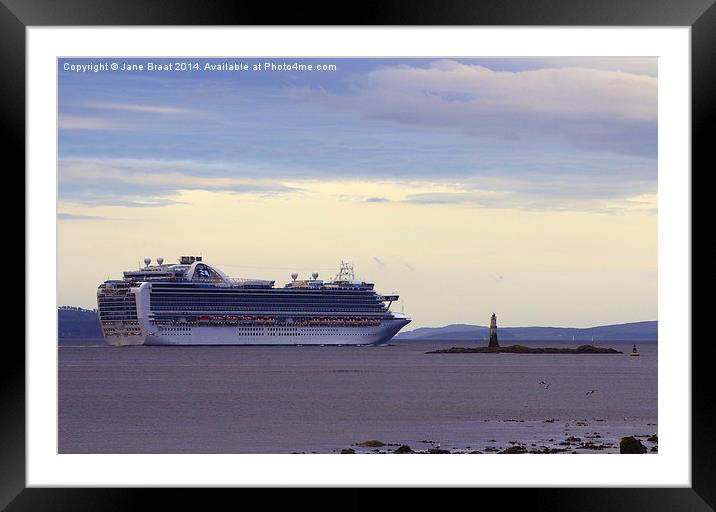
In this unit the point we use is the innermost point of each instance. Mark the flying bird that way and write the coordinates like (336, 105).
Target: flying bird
(591, 392)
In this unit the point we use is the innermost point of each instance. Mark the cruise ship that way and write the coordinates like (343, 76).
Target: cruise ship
(194, 303)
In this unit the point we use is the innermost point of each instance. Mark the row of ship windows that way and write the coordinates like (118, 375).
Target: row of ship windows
(224, 307)
(250, 331)
(246, 307)
(299, 334)
(256, 293)
(288, 331)
(267, 302)
(293, 329)
(284, 332)
(215, 309)
(329, 313)
(315, 332)
(257, 307)
(265, 298)
(260, 303)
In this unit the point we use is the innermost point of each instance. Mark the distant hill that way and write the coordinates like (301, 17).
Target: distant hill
(75, 322)
(636, 331)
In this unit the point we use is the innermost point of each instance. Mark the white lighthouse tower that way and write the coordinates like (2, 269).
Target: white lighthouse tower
(493, 331)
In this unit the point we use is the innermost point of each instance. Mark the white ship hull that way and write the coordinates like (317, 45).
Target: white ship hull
(241, 335)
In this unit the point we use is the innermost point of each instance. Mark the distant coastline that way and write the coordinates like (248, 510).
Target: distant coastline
(78, 323)
(634, 331)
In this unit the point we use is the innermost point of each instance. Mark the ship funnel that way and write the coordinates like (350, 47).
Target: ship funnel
(294, 276)
(147, 261)
(160, 260)
(314, 275)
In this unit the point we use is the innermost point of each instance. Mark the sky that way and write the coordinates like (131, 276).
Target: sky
(525, 187)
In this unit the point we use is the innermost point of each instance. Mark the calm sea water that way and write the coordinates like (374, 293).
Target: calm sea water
(324, 399)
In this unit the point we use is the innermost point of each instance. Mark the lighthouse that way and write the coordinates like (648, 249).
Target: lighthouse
(493, 332)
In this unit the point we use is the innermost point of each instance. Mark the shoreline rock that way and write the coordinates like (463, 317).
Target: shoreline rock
(631, 444)
(521, 349)
(515, 449)
(373, 443)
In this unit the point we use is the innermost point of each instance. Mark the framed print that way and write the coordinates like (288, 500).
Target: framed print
(488, 170)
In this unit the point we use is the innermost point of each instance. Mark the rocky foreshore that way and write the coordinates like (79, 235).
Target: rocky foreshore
(521, 349)
(571, 444)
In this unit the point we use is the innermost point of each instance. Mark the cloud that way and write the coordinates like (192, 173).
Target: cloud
(152, 183)
(132, 107)
(155, 183)
(504, 133)
(489, 199)
(600, 109)
(73, 122)
(72, 216)
(603, 192)
(524, 201)
(633, 65)
(94, 123)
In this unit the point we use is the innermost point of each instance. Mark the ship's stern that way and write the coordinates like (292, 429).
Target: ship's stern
(118, 305)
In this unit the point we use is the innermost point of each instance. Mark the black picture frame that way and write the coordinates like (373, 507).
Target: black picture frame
(700, 15)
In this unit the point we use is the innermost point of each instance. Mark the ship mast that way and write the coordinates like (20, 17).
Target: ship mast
(346, 272)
